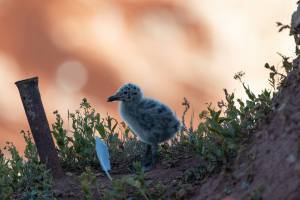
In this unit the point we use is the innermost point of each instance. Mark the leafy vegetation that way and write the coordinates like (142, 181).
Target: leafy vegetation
(134, 184)
(76, 147)
(87, 180)
(24, 178)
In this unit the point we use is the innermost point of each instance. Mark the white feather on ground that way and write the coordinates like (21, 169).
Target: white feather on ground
(103, 156)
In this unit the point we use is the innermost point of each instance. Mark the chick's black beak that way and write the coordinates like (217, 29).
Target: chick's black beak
(113, 98)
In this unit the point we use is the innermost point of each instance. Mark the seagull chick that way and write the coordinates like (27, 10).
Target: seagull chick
(152, 121)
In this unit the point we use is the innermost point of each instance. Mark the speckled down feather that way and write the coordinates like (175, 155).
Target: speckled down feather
(152, 121)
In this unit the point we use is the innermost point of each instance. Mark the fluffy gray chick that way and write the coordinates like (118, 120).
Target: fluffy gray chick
(152, 121)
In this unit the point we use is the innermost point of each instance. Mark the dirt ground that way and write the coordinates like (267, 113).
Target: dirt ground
(68, 187)
(269, 167)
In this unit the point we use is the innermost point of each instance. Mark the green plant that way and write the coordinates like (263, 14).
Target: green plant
(76, 147)
(15, 164)
(63, 141)
(87, 180)
(36, 179)
(257, 194)
(195, 174)
(6, 186)
(134, 185)
(24, 178)
(220, 132)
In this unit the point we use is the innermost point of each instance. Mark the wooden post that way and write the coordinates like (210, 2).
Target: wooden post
(39, 126)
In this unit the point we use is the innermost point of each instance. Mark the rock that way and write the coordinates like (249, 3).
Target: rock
(291, 159)
(297, 166)
(245, 185)
(69, 174)
(71, 194)
(57, 193)
(185, 190)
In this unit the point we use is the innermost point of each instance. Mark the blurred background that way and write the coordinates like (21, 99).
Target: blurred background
(171, 48)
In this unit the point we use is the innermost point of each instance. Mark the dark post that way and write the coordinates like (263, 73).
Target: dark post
(31, 99)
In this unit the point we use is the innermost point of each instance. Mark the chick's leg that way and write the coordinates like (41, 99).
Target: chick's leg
(153, 160)
(146, 160)
(154, 148)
